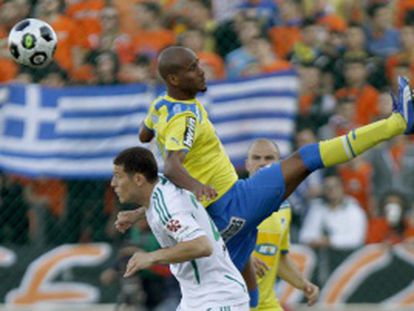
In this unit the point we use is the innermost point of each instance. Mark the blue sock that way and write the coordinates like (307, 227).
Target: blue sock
(311, 156)
(254, 297)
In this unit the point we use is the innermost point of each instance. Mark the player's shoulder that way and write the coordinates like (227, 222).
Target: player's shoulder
(285, 208)
(173, 109)
(169, 195)
(284, 212)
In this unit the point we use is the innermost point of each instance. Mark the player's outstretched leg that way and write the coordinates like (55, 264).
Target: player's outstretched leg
(344, 148)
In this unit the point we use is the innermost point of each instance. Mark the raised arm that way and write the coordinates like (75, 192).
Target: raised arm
(174, 170)
(181, 252)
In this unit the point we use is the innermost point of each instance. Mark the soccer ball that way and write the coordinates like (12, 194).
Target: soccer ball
(32, 42)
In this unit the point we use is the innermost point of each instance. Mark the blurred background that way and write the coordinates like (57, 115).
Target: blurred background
(293, 71)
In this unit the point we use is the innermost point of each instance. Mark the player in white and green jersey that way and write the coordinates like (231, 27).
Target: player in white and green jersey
(190, 241)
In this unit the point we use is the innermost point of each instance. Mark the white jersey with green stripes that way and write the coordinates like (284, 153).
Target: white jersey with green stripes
(175, 216)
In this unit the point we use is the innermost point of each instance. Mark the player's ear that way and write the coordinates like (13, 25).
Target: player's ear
(173, 79)
(139, 179)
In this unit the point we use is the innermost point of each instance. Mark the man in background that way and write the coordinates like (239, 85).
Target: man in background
(271, 257)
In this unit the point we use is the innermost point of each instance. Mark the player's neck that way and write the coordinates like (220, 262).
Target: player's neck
(148, 192)
(180, 95)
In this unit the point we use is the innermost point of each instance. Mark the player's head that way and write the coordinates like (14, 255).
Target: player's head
(135, 170)
(261, 153)
(179, 68)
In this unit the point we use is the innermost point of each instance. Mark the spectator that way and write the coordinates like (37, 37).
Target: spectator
(308, 49)
(391, 225)
(199, 15)
(267, 60)
(356, 85)
(356, 48)
(336, 221)
(53, 76)
(106, 67)
(342, 121)
(401, 68)
(405, 55)
(70, 51)
(110, 36)
(286, 33)
(393, 168)
(195, 39)
(383, 40)
(139, 71)
(356, 176)
(384, 104)
(315, 106)
(151, 36)
(239, 60)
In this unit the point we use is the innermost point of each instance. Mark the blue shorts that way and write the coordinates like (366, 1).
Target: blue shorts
(241, 209)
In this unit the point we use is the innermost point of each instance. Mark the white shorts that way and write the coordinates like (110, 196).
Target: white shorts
(239, 307)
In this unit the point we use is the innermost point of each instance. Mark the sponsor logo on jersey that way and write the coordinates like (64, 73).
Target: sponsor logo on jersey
(235, 225)
(174, 225)
(189, 131)
(266, 249)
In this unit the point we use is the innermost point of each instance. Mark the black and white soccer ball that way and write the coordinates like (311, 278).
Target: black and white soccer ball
(32, 42)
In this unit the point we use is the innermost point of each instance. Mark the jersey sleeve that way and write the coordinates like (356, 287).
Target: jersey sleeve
(183, 227)
(285, 243)
(176, 218)
(181, 132)
(149, 119)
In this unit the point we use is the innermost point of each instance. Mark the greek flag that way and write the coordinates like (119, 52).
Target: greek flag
(76, 132)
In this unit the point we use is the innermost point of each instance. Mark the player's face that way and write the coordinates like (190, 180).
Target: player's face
(123, 185)
(261, 154)
(191, 77)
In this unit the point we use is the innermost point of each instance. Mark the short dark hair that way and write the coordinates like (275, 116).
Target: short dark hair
(138, 160)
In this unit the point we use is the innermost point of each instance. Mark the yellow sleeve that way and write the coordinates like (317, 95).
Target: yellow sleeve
(285, 243)
(181, 132)
(149, 119)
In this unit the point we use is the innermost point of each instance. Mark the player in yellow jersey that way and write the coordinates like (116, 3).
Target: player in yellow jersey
(271, 257)
(196, 160)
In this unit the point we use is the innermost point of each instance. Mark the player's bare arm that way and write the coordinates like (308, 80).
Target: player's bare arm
(145, 135)
(289, 272)
(183, 251)
(260, 267)
(125, 219)
(174, 170)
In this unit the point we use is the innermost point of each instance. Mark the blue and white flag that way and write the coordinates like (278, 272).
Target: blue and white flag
(76, 132)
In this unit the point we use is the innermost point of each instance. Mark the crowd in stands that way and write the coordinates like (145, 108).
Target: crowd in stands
(347, 53)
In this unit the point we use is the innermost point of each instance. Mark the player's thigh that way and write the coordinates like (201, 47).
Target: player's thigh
(261, 195)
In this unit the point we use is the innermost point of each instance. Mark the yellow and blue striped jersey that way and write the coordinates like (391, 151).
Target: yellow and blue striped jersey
(272, 240)
(184, 125)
